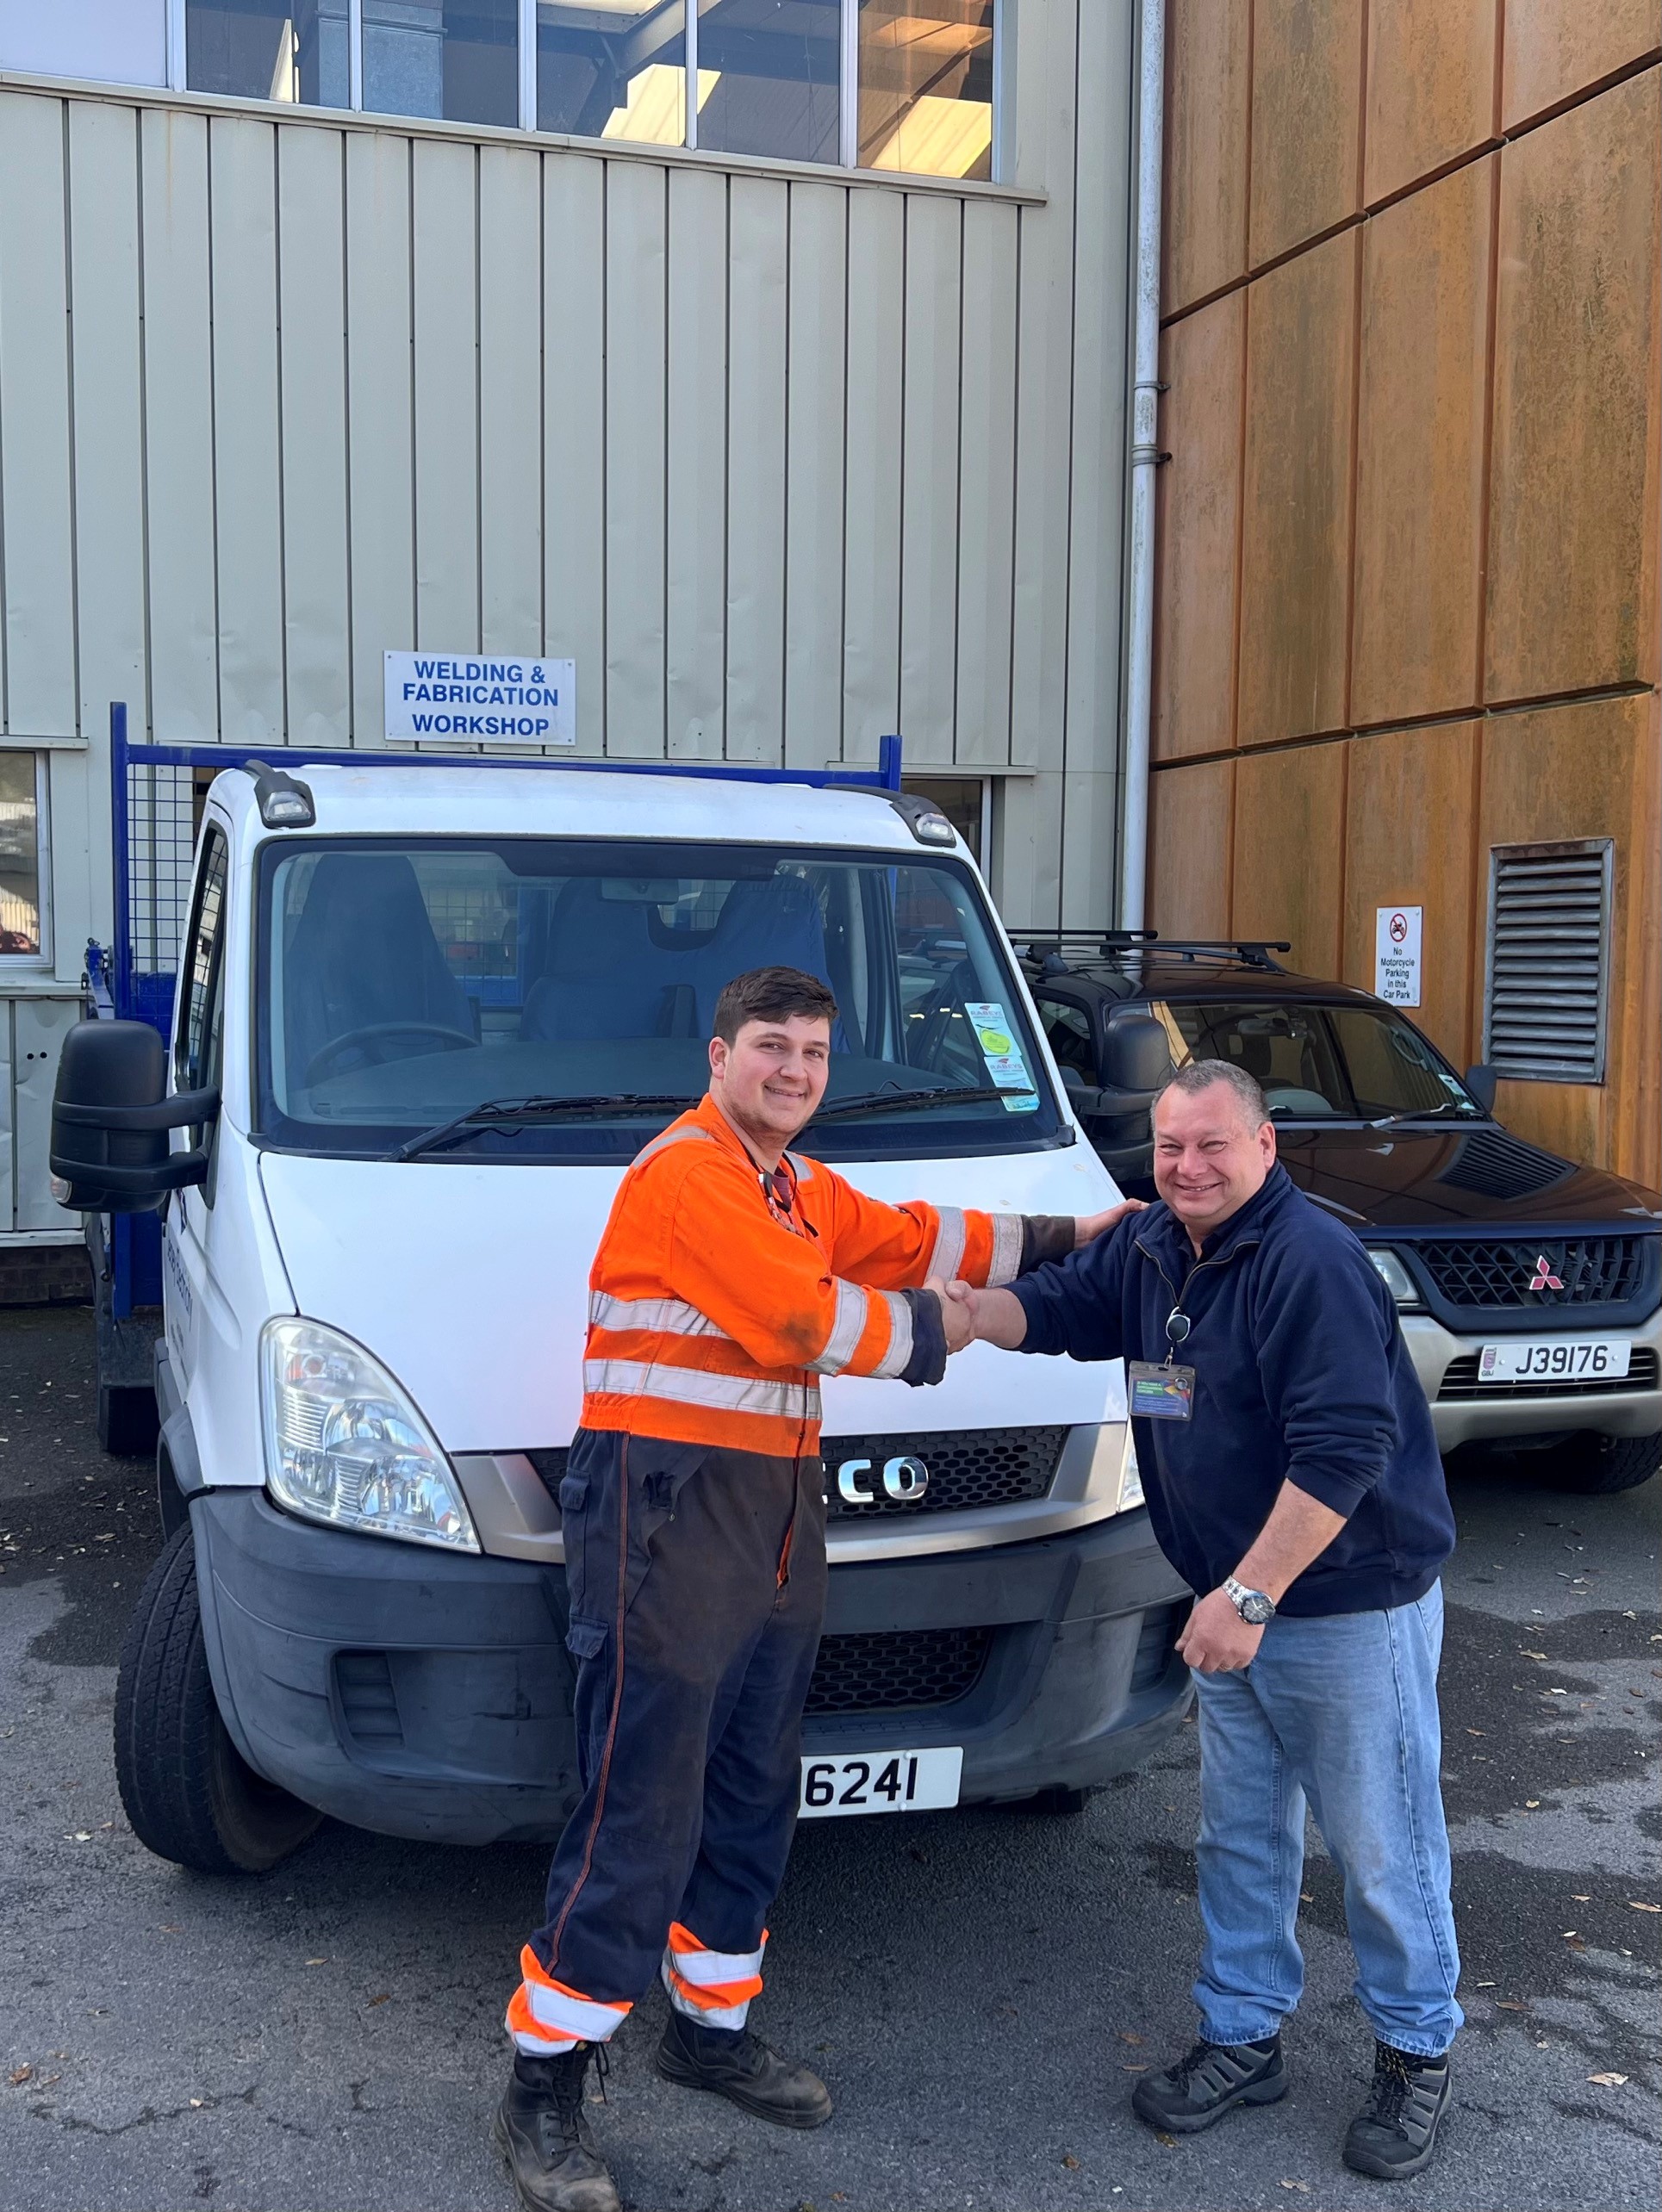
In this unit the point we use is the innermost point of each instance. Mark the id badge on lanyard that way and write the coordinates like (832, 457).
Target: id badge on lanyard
(1162, 1390)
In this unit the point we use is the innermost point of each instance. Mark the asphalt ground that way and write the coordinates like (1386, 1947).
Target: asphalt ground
(978, 1989)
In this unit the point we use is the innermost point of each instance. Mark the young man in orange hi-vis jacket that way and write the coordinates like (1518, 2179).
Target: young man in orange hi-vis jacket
(732, 1275)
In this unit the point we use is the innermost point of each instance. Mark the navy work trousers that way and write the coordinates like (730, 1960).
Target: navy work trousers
(697, 1581)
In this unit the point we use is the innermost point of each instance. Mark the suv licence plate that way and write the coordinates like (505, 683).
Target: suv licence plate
(882, 1781)
(1545, 1359)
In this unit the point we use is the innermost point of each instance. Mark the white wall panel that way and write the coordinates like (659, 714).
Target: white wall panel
(510, 401)
(871, 558)
(759, 213)
(242, 157)
(574, 429)
(986, 485)
(818, 410)
(929, 512)
(34, 451)
(178, 434)
(380, 415)
(311, 235)
(636, 310)
(695, 613)
(445, 219)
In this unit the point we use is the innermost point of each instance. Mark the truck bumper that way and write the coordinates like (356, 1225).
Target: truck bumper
(417, 1693)
(1459, 1415)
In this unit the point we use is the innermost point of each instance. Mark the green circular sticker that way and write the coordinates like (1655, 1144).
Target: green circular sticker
(995, 1041)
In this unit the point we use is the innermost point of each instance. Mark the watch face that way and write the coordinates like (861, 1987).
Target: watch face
(1256, 1609)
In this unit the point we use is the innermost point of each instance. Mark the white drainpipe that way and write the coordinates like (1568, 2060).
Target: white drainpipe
(1145, 446)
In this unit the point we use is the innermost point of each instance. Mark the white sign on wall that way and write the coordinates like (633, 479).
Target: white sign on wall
(513, 699)
(1396, 956)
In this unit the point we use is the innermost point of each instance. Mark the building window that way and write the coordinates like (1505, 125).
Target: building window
(455, 58)
(926, 87)
(617, 71)
(115, 41)
(967, 803)
(775, 71)
(1547, 969)
(25, 930)
(294, 50)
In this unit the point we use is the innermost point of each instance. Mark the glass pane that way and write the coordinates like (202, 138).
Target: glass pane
(115, 41)
(1393, 1069)
(198, 1032)
(402, 985)
(768, 77)
(1287, 1049)
(926, 86)
(611, 69)
(20, 856)
(269, 50)
(959, 798)
(457, 59)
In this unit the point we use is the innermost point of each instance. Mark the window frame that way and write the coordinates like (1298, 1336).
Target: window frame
(848, 161)
(34, 963)
(209, 1059)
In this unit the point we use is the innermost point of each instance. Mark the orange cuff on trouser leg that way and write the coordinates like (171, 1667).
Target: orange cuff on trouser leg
(712, 1987)
(545, 2018)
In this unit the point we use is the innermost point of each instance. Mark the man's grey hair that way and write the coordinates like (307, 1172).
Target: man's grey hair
(1202, 1074)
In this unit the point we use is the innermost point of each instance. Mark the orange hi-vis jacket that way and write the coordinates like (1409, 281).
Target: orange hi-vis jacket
(713, 1309)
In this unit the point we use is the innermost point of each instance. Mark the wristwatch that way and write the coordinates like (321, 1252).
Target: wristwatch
(1253, 1606)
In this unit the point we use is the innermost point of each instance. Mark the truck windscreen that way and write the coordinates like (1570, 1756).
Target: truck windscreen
(402, 983)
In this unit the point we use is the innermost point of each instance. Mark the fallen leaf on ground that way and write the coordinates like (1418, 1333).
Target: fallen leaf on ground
(1533, 1655)
(317, 1962)
(1609, 2081)
(1638, 1907)
(1512, 2004)
(20, 2075)
(1304, 1897)
(385, 1998)
(1575, 1897)
(1170, 2141)
(1125, 2069)
(1488, 1984)
(196, 2104)
(1303, 2186)
(1126, 2037)
(1070, 2162)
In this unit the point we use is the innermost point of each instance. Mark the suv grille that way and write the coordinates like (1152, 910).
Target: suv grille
(968, 1469)
(897, 1670)
(1461, 1380)
(1592, 1271)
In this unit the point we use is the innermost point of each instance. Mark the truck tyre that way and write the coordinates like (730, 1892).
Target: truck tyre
(188, 1792)
(127, 1422)
(1598, 1466)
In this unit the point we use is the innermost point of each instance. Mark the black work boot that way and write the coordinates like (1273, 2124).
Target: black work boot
(1210, 2081)
(741, 2067)
(1396, 2131)
(542, 2130)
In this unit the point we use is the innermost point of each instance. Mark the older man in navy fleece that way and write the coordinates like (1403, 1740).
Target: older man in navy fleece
(1293, 1479)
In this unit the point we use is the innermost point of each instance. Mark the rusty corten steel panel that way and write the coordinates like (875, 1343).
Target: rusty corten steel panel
(1204, 200)
(1430, 89)
(1556, 48)
(1196, 532)
(1306, 120)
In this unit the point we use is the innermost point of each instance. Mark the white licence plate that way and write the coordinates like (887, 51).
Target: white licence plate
(1550, 1359)
(882, 1781)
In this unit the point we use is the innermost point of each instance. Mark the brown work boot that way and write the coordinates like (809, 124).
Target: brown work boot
(741, 2067)
(542, 2130)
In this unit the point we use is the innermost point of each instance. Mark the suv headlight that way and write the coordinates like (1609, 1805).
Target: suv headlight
(1394, 1276)
(345, 1444)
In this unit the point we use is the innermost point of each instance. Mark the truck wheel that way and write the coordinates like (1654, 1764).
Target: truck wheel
(188, 1792)
(1598, 1466)
(127, 1422)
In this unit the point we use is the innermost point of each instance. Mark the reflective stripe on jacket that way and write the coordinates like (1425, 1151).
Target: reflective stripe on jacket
(712, 1312)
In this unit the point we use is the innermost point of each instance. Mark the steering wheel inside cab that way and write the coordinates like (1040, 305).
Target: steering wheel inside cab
(376, 1040)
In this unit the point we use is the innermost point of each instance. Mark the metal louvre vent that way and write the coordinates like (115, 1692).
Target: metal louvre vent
(1548, 960)
(1579, 1271)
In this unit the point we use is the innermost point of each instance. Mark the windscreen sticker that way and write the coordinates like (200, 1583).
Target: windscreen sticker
(1002, 1054)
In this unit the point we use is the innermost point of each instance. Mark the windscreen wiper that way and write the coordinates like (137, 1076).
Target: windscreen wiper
(494, 1110)
(1422, 1114)
(909, 1102)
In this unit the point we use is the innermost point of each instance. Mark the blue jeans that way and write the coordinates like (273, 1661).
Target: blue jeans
(1339, 1714)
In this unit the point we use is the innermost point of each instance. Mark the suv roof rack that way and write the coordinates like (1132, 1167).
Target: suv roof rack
(1112, 945)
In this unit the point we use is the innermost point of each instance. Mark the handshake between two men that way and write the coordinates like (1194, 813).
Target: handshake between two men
(969, 1315)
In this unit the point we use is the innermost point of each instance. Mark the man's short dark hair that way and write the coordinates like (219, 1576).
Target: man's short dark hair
(1201, 1074)
(771, 994)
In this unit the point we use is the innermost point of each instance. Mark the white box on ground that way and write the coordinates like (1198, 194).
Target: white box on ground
(520, 699)
(1396, 954)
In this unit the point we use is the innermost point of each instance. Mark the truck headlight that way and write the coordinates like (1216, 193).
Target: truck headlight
(1394, 1276)
(345, 1444)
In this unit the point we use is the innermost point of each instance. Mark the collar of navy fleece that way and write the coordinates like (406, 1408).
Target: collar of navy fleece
(1160, 1226)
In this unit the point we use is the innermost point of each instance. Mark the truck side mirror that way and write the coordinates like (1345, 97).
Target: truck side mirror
(1480, 1081)
(110, 1117)
(1136, 1060)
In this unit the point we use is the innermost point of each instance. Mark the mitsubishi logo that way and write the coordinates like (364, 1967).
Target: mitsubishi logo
(1543, 1279)
(905, 1480)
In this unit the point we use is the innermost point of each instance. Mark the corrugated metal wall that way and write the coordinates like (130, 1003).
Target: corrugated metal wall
(783, 460)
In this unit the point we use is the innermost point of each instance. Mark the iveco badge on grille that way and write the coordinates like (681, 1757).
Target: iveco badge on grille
(905, 1480)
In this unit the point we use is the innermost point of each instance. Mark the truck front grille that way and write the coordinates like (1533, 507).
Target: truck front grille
(1461, 1380)
(897, 1670)
(968, 1470)
(1491, 1277)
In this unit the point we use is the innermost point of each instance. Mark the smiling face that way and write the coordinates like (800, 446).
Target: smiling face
(769, 1081)
(1209, 1157)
